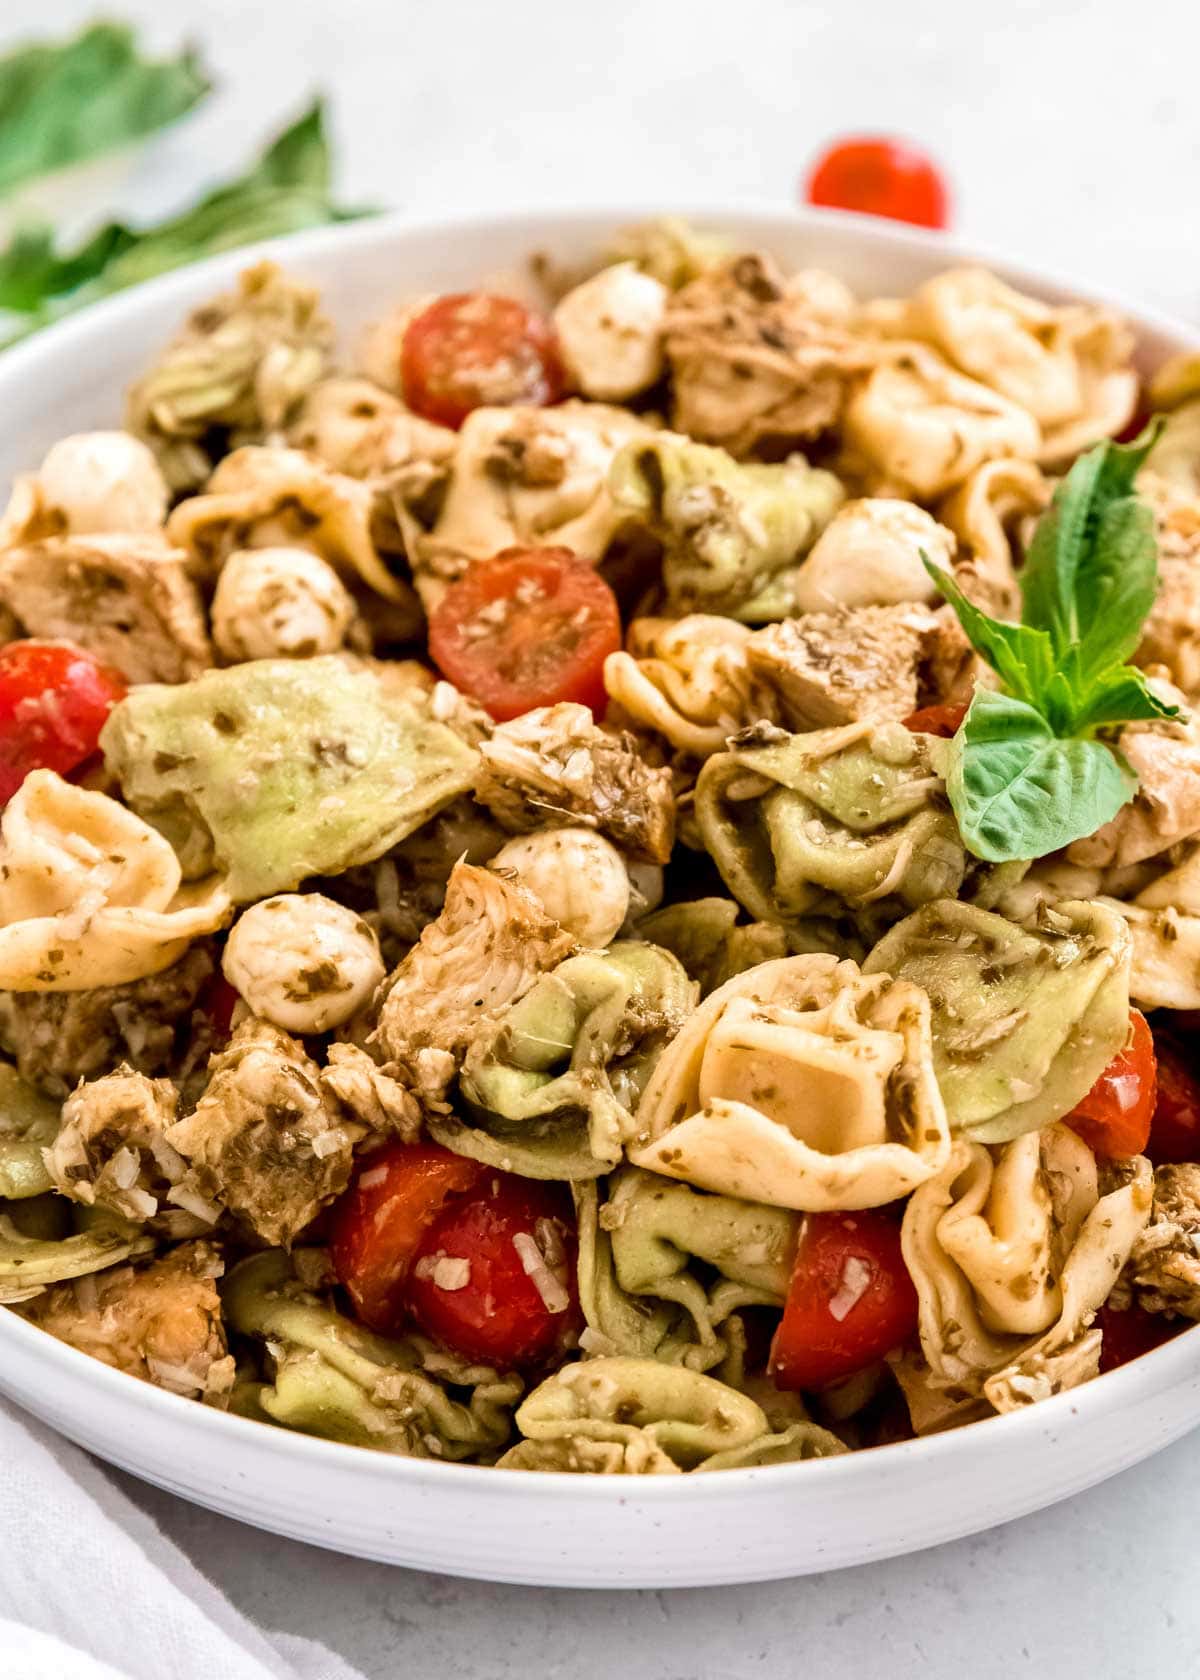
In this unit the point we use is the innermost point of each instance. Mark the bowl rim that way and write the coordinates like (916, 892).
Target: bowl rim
(1165, 1366)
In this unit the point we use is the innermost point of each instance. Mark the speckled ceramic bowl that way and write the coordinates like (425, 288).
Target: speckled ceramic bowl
(552, 1529)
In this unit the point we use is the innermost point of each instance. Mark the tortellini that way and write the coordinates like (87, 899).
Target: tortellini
(283, 498)
(1068, 366)
(639, 1417)
(235, 370)
(31, 1264)
(840, 818)
(1012, 1252)
(90, 895)
(337, 768)
(921, 428)
(524, 477)
(705, 935)
(989, 515)
(689, 679)
(28, 1124)
(551, 1087)
(1025, 1019)
(801, 1084)
(331, 1377)
(358, 428)
(733, 533)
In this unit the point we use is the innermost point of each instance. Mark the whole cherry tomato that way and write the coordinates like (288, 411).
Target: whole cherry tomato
(395, 1196)
(1114, 1118)
(54, 699)
(472, 350)
(1175, 1128)
(1129, 1334)
(850, 1302)
(530, 627)
(494, 1276)
(878, 176)
(936, 720)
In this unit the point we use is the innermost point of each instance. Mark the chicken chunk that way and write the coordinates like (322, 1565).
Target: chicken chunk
(554, 765)
(160, 1322)
(126, 599)
(264, 1140)
(369, 1094)
(111, 1150)
(831, 668)
(1166, 807)
(59, 1038)
(751, 357)
(486, 949)
(1164, 1267)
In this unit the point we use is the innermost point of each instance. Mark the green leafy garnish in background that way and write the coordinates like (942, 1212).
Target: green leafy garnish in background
(74, 101)
(62, 104)
(1026, 772)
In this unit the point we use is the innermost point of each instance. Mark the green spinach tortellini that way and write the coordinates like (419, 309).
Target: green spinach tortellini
(847, 819)
(331, 1377)
(733, 533)
(549, 1090)
(1025, 1019)
(28, 1124)
(640, 1417)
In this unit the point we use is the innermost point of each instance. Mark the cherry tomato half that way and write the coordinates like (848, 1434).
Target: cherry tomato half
(880, 177)
(1175, 1128)
(379, 1223)
(850, 1302)
(528, 628)
(936, 720)
(494, 1277)
(1114, 1118)
(53, 702)
(1129, 1334)
(475, 350)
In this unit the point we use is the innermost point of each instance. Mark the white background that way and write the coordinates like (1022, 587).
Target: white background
(1071, 131)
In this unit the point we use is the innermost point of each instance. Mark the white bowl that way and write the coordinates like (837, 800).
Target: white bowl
(541, 1528)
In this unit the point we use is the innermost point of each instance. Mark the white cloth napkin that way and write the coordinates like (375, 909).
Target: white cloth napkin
(90, 1589)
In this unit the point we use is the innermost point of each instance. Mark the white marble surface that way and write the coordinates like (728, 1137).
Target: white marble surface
(1072, 132)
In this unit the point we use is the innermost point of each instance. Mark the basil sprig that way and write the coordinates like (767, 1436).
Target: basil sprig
(1027, 772)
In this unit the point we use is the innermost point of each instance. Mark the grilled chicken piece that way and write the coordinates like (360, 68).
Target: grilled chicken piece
(554, 765)
(753, 355)
(1164, 1267)
(490, 943)
(111, 1149)
(264, 1140)
(161, 1322)
(59, 1038)
(832, 668)
(127, 599)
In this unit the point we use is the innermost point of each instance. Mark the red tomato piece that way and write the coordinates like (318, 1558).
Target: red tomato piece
(53, 702)
(378, 1225)
(878, 176)
(1129, 1334)
(850, 1302)
(527, 628)
(1114, 1118)
(1175, 1128)
(475, 350)
(936, 720)
(494, 1277)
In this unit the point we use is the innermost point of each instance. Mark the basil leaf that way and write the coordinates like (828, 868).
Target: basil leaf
(60, 104)
(1022, 656)
(1090, 574)
(1122, 696)
(285, 191)
(1019, 791)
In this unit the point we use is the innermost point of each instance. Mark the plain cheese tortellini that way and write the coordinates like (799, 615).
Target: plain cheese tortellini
(803, 1084)
(1012, 1252)
(90, 894)
(921, 428)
